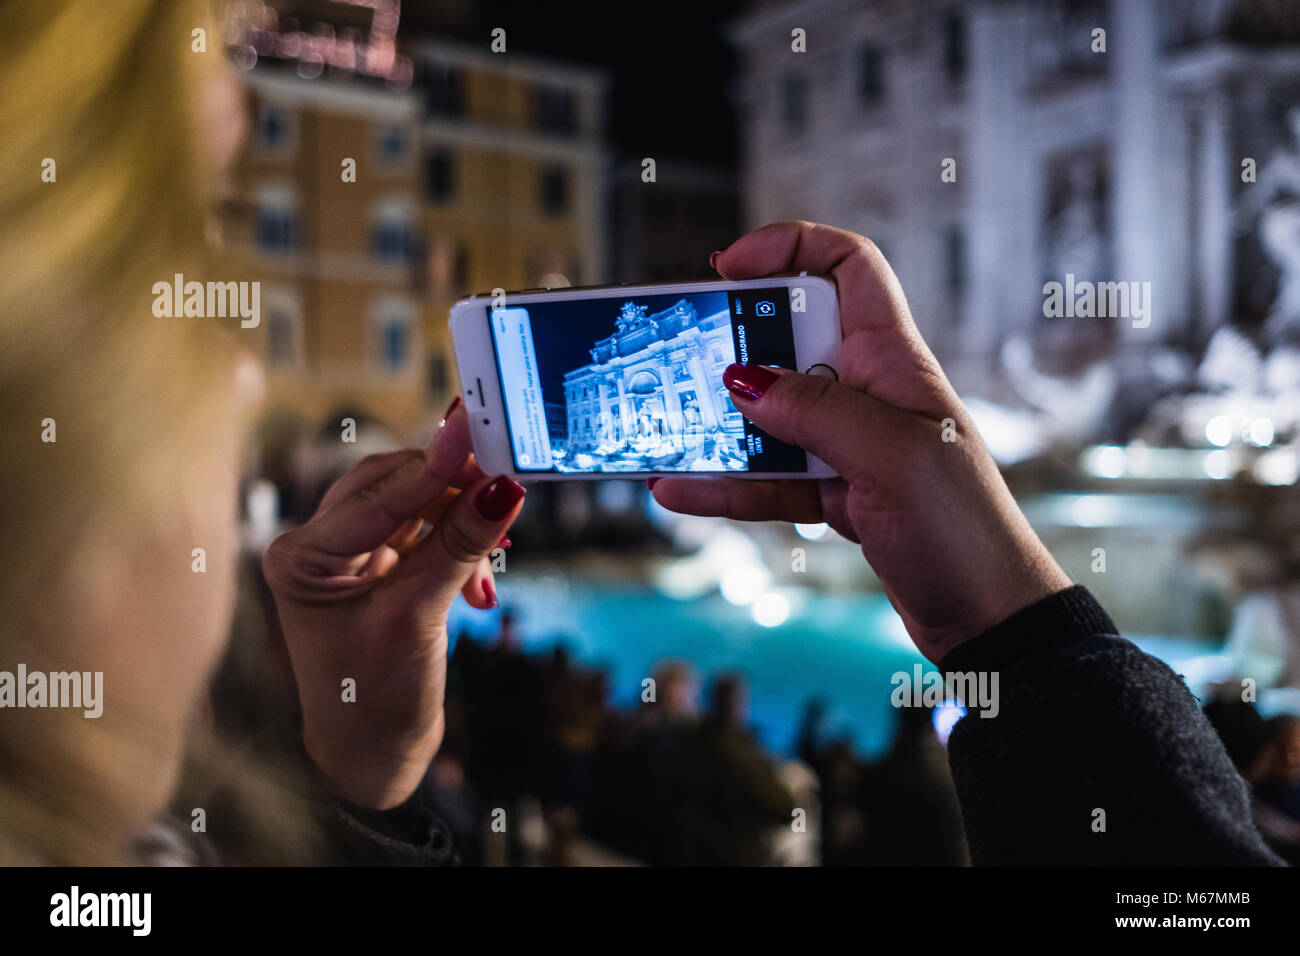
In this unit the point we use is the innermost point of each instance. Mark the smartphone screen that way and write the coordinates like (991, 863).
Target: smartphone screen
(633, 383)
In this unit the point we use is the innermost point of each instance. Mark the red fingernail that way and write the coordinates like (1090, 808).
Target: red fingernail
(748, 381)
(505, 542)
(650, 483)
(496, 500)
(451, 408)
(489, 592)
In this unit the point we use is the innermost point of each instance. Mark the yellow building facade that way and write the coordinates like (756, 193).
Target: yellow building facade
(366, 212)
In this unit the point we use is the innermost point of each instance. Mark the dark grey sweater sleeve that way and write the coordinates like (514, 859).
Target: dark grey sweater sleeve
(1098, 753)
(410, 834)
(407, 835)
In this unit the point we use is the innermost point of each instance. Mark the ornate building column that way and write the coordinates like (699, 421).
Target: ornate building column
(1214, 172)
(994, 74)
(672, 403)
(602, 395)
(1139, 95)
(624, 413)
(709, 410)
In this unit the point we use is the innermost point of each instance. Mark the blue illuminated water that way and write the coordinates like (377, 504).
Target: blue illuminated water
(843, 649)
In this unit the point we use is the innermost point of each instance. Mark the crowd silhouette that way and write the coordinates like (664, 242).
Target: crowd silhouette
(668, 782)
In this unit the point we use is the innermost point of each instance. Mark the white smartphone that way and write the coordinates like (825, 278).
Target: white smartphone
(626, 381)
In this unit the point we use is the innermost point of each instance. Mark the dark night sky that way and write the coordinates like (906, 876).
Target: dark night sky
(669, 64)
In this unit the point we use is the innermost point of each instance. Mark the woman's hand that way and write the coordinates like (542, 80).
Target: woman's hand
(362, 596)
(934, 517)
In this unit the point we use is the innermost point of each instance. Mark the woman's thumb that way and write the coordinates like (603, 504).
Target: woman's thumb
(820, 415)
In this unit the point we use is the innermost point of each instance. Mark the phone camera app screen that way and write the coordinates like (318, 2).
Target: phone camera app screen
(625, 385)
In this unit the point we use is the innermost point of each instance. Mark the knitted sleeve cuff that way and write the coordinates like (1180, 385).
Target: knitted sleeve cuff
(1055, 621)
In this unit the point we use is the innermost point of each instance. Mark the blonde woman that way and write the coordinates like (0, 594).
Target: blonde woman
(122, 436)
(122, 432)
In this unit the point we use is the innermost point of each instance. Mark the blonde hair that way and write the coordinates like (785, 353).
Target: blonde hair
(101, 98)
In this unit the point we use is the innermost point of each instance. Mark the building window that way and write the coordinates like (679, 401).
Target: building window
(277, 229)
(396, 342)
(392, 144)
(954, 261)
(444, 90)
(276, 226)
(393, 241)
(284, 337)
(440, 175)
(954, 47)
(794, 102)
(273, 130)
(392, 238)
(555, 110)
(279, 339)
(871, 76)
(394, 325)
(555, 190)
